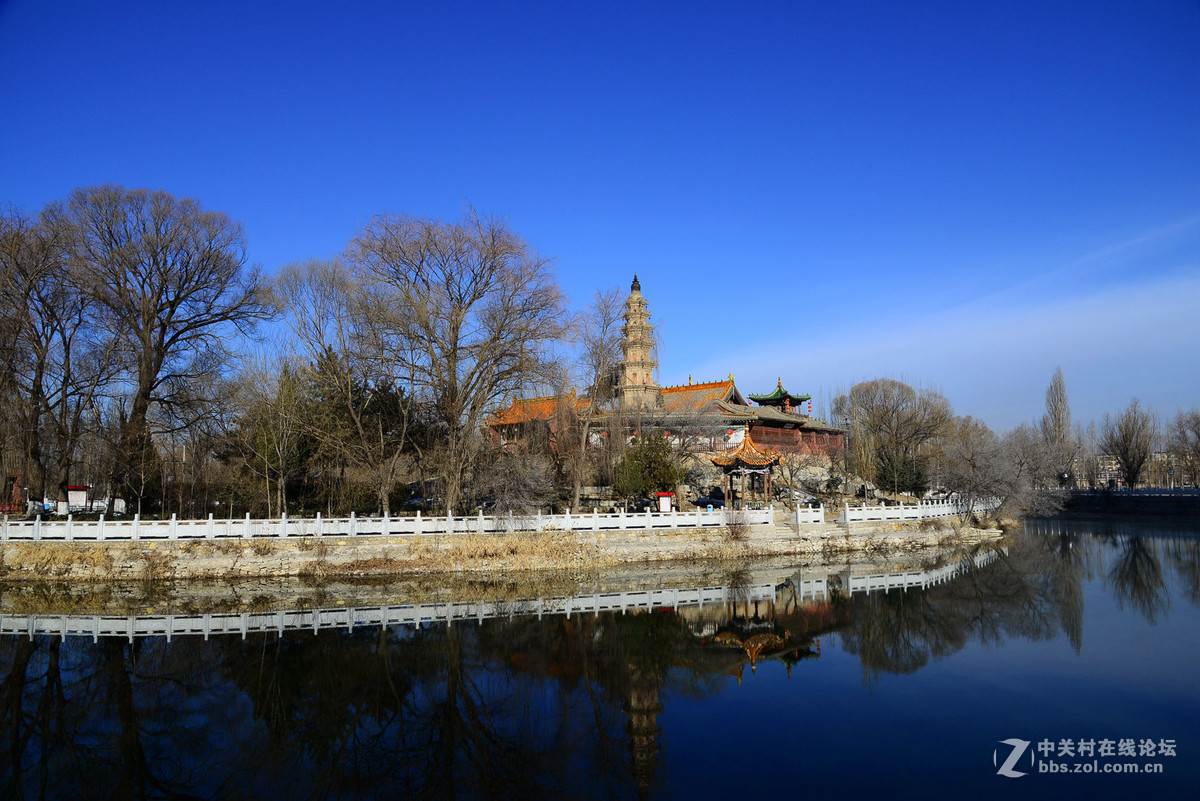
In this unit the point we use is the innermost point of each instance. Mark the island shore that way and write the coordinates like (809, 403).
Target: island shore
(351, 557)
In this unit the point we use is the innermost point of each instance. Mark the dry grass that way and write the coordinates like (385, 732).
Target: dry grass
(54, 560)
(263, 547)
(532, 551)
(223, 547)
(736, 527)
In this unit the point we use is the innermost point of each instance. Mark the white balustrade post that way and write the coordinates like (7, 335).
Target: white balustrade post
(595, 519)
(320, 531)
(417, 524)
(246, 528)
(137, 519)
(100, 534)
(6, 527)
(70, 527)
(283, 532)
(674, 522)
(211, 532)
(540, 526)
(174, 527)
(568, 523)
(353, 519)
(387, 526)
(771, 513)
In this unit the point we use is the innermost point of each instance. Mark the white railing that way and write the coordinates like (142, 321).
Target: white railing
(873, 582)
(810, 514)
(912, 511)
(246, 528)
(96, 626)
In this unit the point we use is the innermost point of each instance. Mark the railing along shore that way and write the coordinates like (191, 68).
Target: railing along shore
(922, 510)
(419, 526)
(137, 529)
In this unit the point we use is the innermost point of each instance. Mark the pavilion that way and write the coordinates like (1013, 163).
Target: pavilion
(747, 460)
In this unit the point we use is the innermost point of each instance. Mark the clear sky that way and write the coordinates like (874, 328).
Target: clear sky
(964, 195)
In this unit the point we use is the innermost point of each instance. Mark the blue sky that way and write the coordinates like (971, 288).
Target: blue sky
(964, 195)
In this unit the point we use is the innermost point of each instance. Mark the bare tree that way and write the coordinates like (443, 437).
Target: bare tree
(1129, 438)
(600, 344)
(363, 409)
(1061, 444)
(57, 355)
(1185, 445)
(889, 424)
(1089, 454)
(517, 482)
(172, 279)
(475, 312)
(977, 466)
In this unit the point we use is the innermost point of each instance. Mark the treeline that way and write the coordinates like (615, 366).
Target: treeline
(907, 440)
(126, 321)
(142, 355)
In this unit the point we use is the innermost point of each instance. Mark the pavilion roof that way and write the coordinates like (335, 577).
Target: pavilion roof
(779, 397)
(528, 410)
(748, 454)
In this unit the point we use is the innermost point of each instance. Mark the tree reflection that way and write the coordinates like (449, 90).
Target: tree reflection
(1185, 556)
(1136, 578)
(519, 707)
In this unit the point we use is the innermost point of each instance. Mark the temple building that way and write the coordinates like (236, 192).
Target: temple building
(703, 417)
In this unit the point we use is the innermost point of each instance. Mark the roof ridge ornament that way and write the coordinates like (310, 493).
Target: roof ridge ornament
(636, 286)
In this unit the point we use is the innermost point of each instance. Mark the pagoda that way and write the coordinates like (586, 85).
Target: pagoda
(637, 388)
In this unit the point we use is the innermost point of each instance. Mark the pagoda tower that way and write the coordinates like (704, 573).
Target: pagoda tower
(637, 387)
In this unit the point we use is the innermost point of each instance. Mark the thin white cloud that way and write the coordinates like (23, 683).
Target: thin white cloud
(995, 361)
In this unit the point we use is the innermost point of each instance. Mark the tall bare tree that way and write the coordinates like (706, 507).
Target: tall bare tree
(173, 281)
(600, 344)
(1129, 438)
(1061, 445)
(475, 311)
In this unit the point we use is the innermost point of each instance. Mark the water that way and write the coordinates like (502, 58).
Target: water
(797, 686)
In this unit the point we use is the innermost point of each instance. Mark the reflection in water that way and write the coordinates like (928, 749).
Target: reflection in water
(1137, 577)
(522, 707)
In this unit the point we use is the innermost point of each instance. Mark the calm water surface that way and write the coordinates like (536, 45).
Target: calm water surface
(1074, 632)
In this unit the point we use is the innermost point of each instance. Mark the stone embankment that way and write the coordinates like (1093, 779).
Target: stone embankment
(340, 557)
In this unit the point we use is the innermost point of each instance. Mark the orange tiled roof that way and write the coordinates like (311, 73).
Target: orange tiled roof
(748, 454)
(690, 397)
(529, 410)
